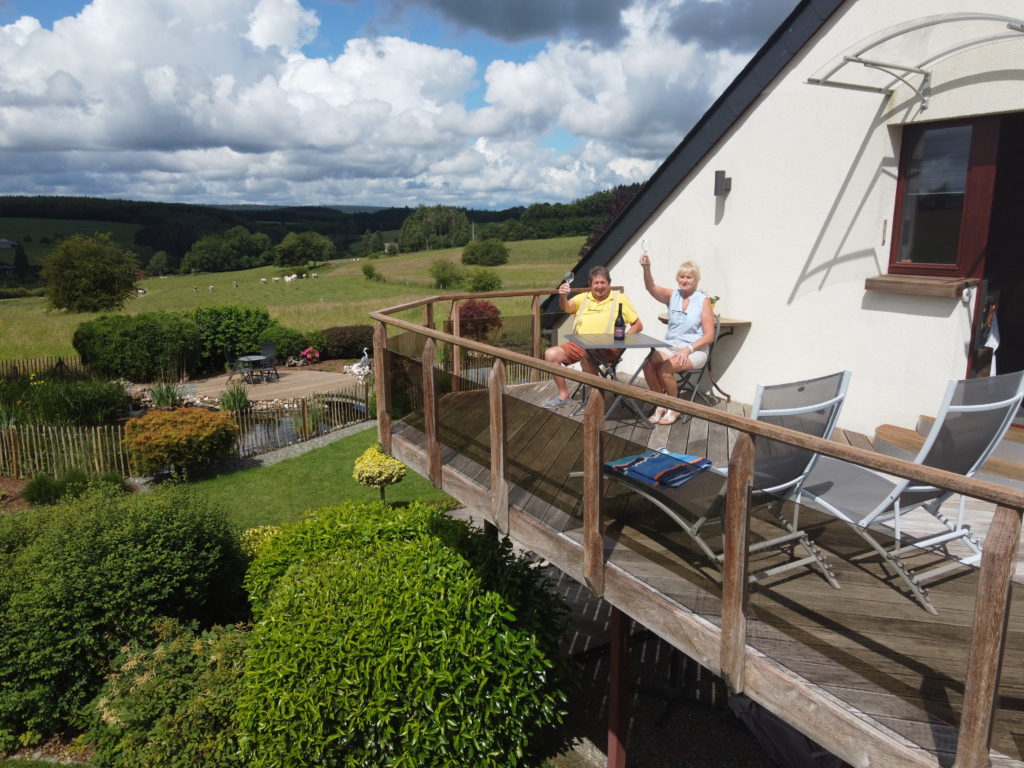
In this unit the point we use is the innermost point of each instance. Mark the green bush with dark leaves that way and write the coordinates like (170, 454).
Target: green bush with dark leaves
(80, 579)
(143, 347)
(179, 440)
(345, 342)
(171, 705)
(289, 342)
(227, 327)
(486, 253)
(398, 637)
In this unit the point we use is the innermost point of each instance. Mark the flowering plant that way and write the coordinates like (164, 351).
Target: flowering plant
(311, 355)
(713, 300)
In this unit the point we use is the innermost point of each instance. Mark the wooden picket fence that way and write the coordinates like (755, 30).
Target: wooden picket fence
(40, 366)
(26, 451)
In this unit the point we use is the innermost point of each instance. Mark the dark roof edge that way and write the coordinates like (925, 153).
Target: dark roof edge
(784, 44)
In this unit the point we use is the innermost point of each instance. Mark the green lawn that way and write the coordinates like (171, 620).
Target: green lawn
(340, 296)
(283, 492)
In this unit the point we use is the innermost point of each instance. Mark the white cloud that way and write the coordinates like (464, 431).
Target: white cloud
(216, 101)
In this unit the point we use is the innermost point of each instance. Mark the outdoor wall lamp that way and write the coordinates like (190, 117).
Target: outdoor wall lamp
(723, 184)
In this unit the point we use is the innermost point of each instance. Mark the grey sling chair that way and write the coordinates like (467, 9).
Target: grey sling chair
(268, 367)
(973, 417)
(811, 407)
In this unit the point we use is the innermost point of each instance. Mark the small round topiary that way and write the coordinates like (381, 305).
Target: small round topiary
(378, 470)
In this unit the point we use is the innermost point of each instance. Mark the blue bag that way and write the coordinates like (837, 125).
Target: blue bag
(659, 468)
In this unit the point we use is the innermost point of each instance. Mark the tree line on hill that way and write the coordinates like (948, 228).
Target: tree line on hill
(175, 236)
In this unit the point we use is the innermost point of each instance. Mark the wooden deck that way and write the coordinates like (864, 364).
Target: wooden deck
(871, 666)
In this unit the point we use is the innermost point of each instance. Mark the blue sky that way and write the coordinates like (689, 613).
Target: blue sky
(374, 102)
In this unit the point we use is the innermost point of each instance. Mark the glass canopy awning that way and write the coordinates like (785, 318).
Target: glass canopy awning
(904, 53)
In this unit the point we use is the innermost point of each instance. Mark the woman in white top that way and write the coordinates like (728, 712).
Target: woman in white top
(691, 329)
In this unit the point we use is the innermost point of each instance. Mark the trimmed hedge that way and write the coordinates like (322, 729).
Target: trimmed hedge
(398, 637)
(81, 579)
(486, 253)
(182, 439)
(344, 342)
(144, 347)
(227, 327)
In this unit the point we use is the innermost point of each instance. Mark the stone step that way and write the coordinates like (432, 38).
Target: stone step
(904, 443)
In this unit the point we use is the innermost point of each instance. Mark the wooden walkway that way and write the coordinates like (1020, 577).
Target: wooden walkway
(866, 649)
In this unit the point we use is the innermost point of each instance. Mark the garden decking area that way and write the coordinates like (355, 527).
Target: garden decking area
(863, 670)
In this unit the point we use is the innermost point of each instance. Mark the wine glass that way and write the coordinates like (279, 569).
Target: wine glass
(569, 277)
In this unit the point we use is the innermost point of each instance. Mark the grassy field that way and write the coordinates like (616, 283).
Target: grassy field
(32, 231)
(340, 295)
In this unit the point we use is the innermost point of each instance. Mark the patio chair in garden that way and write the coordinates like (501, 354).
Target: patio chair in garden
(811, 407)
(692, 384)
(234, 365)
(268, 366)
(973, 417)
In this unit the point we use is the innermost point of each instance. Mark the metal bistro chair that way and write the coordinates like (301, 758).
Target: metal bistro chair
(973, 417)
(268, 366)
(234, 365)
(692, 383)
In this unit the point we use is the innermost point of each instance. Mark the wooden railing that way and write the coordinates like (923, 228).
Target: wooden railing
(997, 566)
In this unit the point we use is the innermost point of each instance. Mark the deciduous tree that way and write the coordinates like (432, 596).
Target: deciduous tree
(89, 273)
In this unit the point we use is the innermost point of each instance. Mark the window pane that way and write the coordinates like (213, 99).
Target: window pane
(933, 200)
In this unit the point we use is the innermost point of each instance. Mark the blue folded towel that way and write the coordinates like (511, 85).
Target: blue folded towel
(659, 468)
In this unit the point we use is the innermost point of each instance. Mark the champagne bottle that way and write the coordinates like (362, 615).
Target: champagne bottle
(620, 326)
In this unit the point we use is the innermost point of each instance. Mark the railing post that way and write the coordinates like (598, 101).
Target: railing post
(988, 639)
(499, 447)
(456, 350)
(736, 562)
(430, 425)
(593, 499)
(382, 384)
(428, 315)
(535, 332)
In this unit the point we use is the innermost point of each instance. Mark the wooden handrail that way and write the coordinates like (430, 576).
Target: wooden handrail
(997, 494)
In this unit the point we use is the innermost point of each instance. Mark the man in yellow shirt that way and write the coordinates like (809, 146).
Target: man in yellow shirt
(595, 312)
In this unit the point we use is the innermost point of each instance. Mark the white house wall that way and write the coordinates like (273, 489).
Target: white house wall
(809, 218)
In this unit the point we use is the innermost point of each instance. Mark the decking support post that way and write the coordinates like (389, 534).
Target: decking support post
(593, 499)
(736, 563)
(430, 423)
(382, 384)
(535, 332)
(456, 350)
(499, 447)
(988, 639)
(618, 689)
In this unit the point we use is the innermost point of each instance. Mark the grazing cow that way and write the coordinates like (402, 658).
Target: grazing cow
(209, 288)
(313, 275)
(263, 280)
(276, 279)
(234, 283)
(140, 291)
(195, 289)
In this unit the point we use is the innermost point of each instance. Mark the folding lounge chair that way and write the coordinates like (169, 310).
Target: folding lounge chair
(811, 407)
(973, 417)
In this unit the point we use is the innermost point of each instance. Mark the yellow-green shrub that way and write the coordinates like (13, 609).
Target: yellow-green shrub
(181, 439)
(378, 470)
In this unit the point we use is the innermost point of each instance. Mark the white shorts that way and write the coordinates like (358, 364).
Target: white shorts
(698, 358)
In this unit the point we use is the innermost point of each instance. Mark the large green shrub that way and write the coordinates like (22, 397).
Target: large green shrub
(171, 705)
(446, 274)
(483, 280)
(289, 342)
(343, 342)
(182, 439)
(80, 579)
(397, 637)
(144, 347)
(486, 253)
(227, 327)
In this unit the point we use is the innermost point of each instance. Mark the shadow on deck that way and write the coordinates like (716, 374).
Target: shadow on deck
(866, 649)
